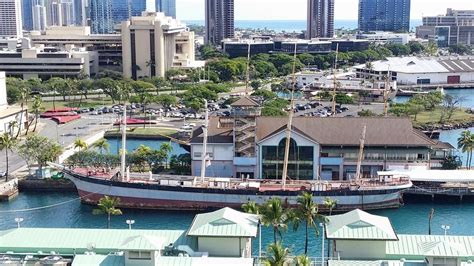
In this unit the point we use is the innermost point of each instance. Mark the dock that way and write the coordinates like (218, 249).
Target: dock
(9, 190)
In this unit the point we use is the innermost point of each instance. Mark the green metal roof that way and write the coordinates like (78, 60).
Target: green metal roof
(225, 222)
(78, 241)
(375, 263)
(360, 225)
(98, 260)
(208, 261)
(421, 246)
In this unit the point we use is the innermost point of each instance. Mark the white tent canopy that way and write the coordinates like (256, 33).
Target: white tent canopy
(418, 175)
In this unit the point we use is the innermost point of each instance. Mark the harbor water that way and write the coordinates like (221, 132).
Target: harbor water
(68, 212)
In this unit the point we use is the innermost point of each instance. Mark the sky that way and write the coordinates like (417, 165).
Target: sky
(296, 9)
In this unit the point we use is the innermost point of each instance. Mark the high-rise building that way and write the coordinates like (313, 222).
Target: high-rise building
(107, 13)
(219, 20)
(80, 12)
(152, 44)
(456, 27)
(11, 24)
(55, 13)
(67, 13)
(26, 14)
(320, 21)
(101, 16)
(166, 6)
(384, 15)
(39, 16)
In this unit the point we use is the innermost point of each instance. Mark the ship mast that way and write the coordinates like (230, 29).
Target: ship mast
(361, 153)
(124, 143)
(335, 82)
(204, 143)
(247, 79)
(284, 175)
(385, 93)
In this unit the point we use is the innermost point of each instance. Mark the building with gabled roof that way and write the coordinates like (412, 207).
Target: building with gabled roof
(247, 145)
(223, 237)
(360, 238)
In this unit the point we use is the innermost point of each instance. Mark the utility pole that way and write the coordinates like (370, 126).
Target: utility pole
(335, 82)
(204, 143)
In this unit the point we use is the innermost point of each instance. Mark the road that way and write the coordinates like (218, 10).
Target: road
(64, 134)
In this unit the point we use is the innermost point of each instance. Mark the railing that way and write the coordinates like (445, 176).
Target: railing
(440, 191)
(291, 261)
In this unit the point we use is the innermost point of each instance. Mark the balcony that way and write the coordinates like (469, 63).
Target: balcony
(245, 112)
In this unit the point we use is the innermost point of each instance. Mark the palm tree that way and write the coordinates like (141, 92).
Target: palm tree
(107, 205)
(251, 207)
(36, 108)
(275, 215)
(466, 144)
(302, 260)
(307, 211)
(102, 145)
(166, 148)
(11, 126)
(7, 142)
(80, 144)
(278, 255)
(330, 204)
(24, 95)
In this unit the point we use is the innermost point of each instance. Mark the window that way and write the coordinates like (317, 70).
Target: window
(139, 255)
(300, 163)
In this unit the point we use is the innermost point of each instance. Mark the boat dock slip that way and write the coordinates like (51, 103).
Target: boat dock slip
(8, 190)
(456, 183)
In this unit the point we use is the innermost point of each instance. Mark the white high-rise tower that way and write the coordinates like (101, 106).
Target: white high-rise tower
(11, 24)
(39, 15)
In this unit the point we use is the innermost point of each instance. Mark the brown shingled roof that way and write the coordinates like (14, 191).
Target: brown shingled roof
(348, 131)
(217, 133)
(245, 101)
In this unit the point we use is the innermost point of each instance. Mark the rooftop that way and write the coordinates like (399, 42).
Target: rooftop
(413, 64)
(224, 222)
(360, 225)
(70, 241)
(245, 101)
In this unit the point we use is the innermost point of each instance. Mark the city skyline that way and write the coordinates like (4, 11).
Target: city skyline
(344, 9)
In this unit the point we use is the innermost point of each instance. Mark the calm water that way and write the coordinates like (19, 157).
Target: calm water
(290, 25)
(466, 96)
(132, 144)
(412, 218)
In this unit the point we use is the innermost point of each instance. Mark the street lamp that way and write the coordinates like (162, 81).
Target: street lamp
(18, 220)
(130, 222)
(322, 244)
(445, 228)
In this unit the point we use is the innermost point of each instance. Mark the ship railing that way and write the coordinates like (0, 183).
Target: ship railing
(440, 190)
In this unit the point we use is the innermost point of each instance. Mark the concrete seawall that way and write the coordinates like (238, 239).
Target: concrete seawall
(46, 185)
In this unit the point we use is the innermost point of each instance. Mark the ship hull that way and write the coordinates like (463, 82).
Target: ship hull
(154, 196)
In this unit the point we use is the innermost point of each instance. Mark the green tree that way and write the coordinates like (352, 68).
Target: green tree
(24, 96)
(366, 113)
(414, 109)
(108, 205)
(251, 207)
(342, 98)
(165, 150)
(460, 49)
(274, 215)
(399, 49)
(302, 260)
(306, 59)
(80, 144)
(265, 94)
(54, 85)
(450, 163)
(307, 212)
(416, 47)
(40, 150)
(466, 144)
(13, 89)
(166, 100)
(36, 108)
(7, 143)
(431, 48)
(278, 255)
(330, 204)
(255, 84)
(103, 145)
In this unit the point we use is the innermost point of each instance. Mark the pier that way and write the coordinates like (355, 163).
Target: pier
(8, 190)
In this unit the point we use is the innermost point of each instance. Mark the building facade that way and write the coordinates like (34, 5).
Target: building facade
(101, 16)
(26, 13)
(320, 148)
(415, 71)
(320, 21)
(11, 24)
(166, 6)
(39, 17)
(152, 43)
(456, 27)
(219, 20)
(384, 15)
(44, 63)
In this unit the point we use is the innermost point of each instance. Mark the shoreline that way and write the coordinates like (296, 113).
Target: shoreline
(445, 127)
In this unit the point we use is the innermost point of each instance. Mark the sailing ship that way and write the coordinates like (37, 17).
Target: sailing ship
(200, 193)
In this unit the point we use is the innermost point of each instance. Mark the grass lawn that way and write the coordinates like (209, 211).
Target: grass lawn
(149, 131)
(433, 117)
(91, 102)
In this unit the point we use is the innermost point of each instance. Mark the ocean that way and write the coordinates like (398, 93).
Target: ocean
(291, 25)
